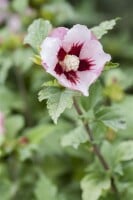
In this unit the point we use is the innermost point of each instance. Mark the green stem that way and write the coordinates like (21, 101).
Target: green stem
(96, 147)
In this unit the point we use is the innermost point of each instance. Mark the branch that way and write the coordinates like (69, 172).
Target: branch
(95, 146)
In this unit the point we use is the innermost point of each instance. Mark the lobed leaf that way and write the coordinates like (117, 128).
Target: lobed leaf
(58, 103)
(110, 65)
(45, 189)
(124, 151)
(103, 28)
(111, 117)
(47, 92)
(92, 186)
(58, 99)
(37, 32)
(75, 137)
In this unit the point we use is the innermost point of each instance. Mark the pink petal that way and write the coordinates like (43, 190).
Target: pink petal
(83, 83)
(59, 32)
(78, 34)
(100, 60)
(93, 50)
(86, 79)
(49, 51)
(90, 48)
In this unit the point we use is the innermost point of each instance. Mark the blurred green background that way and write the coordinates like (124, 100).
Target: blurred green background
(30, 146)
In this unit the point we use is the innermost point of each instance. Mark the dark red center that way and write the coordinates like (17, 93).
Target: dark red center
(84, 65)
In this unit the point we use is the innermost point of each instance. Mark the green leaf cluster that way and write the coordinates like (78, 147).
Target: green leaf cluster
(58, 99)
(37, 159)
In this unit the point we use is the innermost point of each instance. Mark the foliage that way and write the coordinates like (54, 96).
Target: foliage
(38, 159)
(58, 100)
(37, 33)
(42, 189)
(93, 186)
(75, 138)
(103, 28)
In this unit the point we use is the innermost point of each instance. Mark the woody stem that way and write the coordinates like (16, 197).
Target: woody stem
(96, 148)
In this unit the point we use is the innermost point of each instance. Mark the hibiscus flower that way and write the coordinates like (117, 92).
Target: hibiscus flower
(74, 57)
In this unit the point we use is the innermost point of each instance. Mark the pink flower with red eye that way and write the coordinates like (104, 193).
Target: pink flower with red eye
(74, 57)
(2, 129)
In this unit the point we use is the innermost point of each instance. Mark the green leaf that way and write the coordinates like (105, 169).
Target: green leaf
(103, 28)
(5, 189)
(124, 151)
(27, 152)
(110, 65)
(62, 197)
(107, 150)
(47, 93)
(20, 61)
(20, 6)
(74, 138)
(99, 129)
(36, 134)
(92, 186)
(128, 170)
(126, 107)
(5, 66)
(45, 189)
(59, 11)
(9, 99)
(14, 124)
(95, 94)
(37, 32)
(127, 192)
(111, 117)
(58, 103)
(118, 169)
(58, 99)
